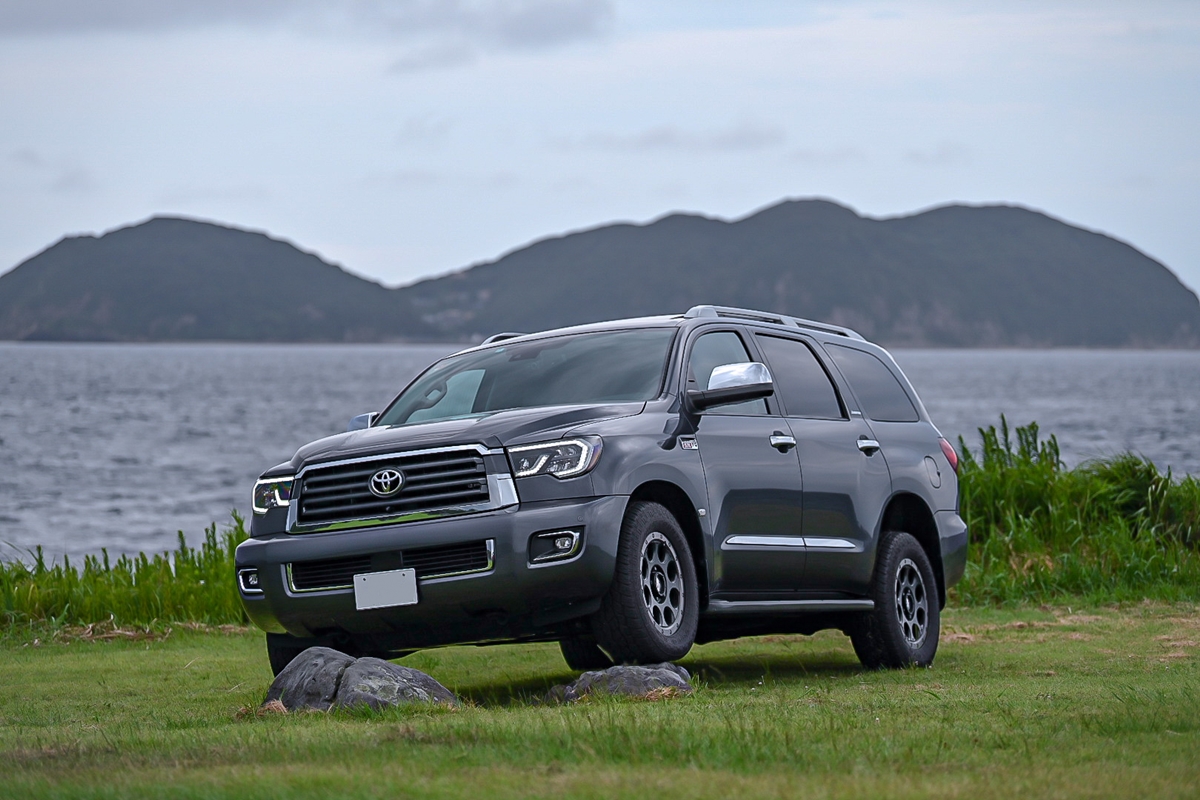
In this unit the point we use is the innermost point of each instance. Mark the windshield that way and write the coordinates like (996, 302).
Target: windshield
(584, 368)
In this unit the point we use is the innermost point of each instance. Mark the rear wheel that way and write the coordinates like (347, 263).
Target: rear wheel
(582, 654)
(652, 607)
(903, 628)
(281, 649)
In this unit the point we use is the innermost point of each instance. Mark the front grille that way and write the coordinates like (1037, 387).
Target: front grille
(340, 493)
(335, 573)
(447, 560)
(429, 562)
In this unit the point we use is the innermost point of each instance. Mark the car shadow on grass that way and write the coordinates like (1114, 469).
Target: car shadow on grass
(751, 669)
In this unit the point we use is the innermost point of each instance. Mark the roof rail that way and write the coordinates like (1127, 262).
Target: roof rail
(500, 337)
(765, 316)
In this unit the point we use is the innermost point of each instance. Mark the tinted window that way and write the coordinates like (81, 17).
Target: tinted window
(800, 380)
(882, 397)
(711, 351)
(619, 366)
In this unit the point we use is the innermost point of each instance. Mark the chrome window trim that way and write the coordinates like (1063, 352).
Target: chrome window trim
(490, 544)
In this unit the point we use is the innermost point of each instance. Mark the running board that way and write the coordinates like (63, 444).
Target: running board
(730, 607)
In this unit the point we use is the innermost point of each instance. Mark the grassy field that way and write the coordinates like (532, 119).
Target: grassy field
(1061, 702)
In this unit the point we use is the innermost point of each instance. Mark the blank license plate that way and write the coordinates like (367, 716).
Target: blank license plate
(397, 587)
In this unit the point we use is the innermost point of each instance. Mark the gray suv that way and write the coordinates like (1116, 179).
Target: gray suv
(626, 489)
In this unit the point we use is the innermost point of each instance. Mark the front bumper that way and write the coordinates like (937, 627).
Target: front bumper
(513, 600)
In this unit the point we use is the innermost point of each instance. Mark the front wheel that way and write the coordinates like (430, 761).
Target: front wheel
(902, 630)
(653, 605)
(281, 649)
(583, 654)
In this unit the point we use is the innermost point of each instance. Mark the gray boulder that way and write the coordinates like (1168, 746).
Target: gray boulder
(311, 680)
(633, 681)
(321, 678)
(379, 683)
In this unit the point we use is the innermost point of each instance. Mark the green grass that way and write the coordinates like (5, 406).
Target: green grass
(1031, 702)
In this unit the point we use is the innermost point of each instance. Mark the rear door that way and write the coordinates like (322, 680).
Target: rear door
(846, 480)
(754, 488)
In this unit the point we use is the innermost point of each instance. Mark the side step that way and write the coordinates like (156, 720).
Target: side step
(733, 608)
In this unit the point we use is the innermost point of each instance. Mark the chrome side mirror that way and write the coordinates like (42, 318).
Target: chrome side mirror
(733, 383)
(728, 376)
(362, 421)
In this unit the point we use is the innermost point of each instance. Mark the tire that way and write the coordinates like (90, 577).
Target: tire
(903, 628)
(281, 649)
(583, 654)
(651, 610)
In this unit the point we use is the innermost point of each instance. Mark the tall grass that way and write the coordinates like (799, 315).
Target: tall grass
(1112, 529)
(187, 584)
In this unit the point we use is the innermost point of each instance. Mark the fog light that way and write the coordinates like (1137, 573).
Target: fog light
(549, 546)
(248, 581)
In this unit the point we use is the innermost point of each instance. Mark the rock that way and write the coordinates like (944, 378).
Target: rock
(311, 680)
(635, 681)
(380, 683)
(321, 678)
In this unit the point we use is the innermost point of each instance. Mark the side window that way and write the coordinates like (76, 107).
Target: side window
(883, 398)
(712, 350)
(800, 380)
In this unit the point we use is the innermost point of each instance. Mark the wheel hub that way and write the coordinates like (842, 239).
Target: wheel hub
(912, 603)
(662, 583)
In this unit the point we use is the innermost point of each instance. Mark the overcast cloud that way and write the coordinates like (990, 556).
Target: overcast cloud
(404, 138)
(503, 23)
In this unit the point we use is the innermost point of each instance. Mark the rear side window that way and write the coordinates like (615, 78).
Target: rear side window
(716, 349)
(800, 380)
(882, 397)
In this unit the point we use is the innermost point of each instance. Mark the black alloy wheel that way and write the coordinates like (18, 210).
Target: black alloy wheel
(652, 609)
(903, 628)
(282, 649)
(582, 654)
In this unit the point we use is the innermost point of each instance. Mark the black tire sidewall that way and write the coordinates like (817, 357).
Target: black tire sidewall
(624, 626)
(897, 547)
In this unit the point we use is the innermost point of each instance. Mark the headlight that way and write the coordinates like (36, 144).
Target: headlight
(272, 493)
(566, 458)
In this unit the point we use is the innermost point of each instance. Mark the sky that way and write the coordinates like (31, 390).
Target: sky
(409, 138)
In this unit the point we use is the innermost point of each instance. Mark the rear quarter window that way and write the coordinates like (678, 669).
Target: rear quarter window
(879, 392)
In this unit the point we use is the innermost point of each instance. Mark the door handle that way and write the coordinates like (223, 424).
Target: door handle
(782, 442)
(868, 446)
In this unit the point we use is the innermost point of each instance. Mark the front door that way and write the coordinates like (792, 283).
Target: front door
(754, 488)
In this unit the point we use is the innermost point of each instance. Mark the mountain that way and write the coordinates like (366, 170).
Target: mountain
(178, 279)
(953, 276)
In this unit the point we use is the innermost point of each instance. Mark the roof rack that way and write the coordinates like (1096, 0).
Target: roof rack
(500, 337)
(765, 316)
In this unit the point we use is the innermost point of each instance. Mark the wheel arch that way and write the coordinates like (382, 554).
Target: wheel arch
(676, 500)
(909, 513)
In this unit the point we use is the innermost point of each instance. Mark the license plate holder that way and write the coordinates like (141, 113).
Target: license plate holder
(397, 587)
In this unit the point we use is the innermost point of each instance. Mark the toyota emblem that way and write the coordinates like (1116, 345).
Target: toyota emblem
(386, 482)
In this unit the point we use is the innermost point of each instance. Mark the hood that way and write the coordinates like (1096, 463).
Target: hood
(498, 429)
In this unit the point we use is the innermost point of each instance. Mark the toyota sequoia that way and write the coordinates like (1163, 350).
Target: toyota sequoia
(625, 489)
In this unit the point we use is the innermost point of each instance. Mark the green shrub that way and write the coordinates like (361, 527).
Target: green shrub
(1108, 530)
(187, 584)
